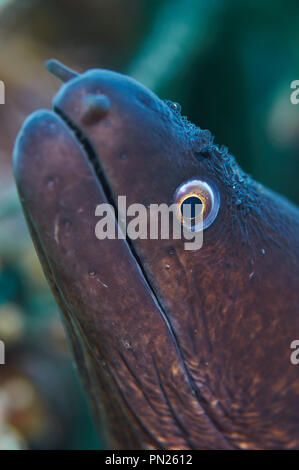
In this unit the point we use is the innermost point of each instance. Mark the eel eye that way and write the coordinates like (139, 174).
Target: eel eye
(197, 204)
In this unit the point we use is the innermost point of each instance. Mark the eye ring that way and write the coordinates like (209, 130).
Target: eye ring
(206, 194)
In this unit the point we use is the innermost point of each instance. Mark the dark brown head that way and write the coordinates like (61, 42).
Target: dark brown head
(179, 348)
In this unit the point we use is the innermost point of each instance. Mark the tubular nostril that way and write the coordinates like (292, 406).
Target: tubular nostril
(97, 107)
(60, 71)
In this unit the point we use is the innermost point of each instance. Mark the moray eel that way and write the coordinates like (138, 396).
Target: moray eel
(178, 349)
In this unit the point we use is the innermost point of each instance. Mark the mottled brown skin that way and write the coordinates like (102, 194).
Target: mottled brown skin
(178, 349)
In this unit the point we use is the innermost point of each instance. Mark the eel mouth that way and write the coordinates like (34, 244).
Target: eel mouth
(94, 161)
(65, 74)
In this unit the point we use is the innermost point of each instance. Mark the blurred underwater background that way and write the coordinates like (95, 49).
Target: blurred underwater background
(228, 63)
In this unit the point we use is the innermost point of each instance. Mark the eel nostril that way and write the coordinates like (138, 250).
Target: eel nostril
(97, 107)
(60, 70)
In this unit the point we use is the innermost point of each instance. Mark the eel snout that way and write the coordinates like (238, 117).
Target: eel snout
(124, 345)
